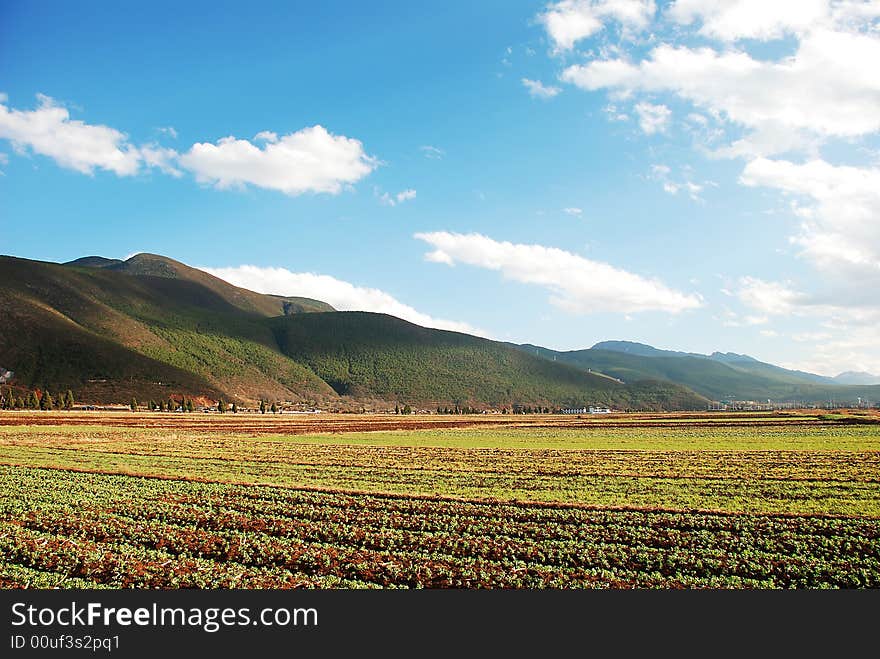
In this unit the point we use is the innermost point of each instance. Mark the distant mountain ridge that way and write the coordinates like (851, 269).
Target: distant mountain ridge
(856, 378)
(719, 376)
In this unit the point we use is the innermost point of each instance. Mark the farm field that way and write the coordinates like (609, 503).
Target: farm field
(698, 500)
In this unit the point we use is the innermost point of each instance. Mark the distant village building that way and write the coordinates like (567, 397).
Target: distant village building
(586, 410)
(5, 376)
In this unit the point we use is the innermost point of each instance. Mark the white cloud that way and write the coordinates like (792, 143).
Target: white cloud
(162, 158)
(572, 210)
(266, 136)
(802, 337)
(342, 295)
(775, 298)
(432, 152)
(614, 114)
(769, 297)
(170, 131)
(49, 131)
(577, 285)
(569, 21)
(538, 89)
(731, 20)
(855, 349)
(661, 170)
(840, 228)
(653, 118)
(829, 88)
(848, 341)
(399, 198)
(662, 173)
(309, 160)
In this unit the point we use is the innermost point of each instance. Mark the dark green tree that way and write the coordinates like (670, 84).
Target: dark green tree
(46, 402)
(133, 405)
(234, 408)
(189, 405)
(262, 406)
(221, 406)
(171, 404)
(68, 404)
(274, 408)
(396, 408)
(407, 409)
(160, 406)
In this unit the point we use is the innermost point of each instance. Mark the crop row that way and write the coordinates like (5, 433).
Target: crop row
(126, 531)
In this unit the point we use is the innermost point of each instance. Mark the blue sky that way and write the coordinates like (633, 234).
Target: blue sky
(697, 175)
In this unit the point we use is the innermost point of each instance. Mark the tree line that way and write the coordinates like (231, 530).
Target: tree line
(183, 405)
(36, 400)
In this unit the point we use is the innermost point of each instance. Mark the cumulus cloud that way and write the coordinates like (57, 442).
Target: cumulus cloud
(830, 87)
(576, 284)
(309, 160)
(732, 20)
(538, 89)
(653, 118)
(49, 131)
(840, 227)
(848, 338)
(829, 353)
(342, 295)
(777, 298)
(569, 21)
(769, 297)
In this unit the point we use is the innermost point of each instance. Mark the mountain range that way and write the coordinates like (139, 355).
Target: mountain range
(150, 327)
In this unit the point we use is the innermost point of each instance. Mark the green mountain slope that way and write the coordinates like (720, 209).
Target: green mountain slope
(365, 354)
